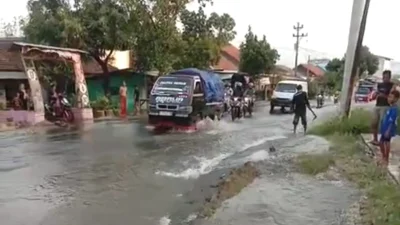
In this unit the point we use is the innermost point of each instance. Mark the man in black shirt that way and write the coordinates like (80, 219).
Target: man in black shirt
(300, 104)
(381, 106)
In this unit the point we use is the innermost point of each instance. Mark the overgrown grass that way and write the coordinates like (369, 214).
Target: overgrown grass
(314, 164)
(383, 196)
(358, 122)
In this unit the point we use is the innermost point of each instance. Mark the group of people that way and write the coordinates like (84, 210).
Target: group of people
(385, 115)
(123, 91)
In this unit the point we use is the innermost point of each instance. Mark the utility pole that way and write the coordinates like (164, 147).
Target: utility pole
(356, 35)
(298, 37)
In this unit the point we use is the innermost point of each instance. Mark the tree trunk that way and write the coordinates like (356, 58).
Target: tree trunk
(106, 84)
(106, 73)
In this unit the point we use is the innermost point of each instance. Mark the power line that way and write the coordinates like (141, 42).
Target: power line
(298, 36)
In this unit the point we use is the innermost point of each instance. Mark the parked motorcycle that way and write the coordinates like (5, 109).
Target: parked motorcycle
(320, 101)
(61, 116)
(236, 108)
(248, 106)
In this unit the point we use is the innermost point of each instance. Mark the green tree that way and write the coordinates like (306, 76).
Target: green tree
(368, 63)
(257, 56)
(335, 65)
(11, 28)
(158, 42)
(97, 26)
(203, 38)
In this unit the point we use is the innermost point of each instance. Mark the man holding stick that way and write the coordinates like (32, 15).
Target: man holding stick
(300, 104)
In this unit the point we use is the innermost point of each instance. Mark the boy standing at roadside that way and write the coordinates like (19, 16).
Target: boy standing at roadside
(389, 126)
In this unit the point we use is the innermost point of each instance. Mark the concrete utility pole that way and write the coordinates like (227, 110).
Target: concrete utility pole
(357, 28)
(298, 37)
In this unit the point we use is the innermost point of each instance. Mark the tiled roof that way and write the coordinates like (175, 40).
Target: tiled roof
(11, 61)
(313, 69)
(230, 58)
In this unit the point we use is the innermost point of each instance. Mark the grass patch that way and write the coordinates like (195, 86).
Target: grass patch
(314, 164)
(382, 206)
(358, 122)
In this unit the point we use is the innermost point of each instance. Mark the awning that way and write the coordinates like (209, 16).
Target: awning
(13, 75)
(265, 81)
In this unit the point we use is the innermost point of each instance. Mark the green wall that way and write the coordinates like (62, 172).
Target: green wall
(95, 87)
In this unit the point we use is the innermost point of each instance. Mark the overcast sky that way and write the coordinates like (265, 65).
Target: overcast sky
(326, 22)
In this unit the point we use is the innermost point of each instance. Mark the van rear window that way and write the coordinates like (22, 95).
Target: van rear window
(284, 87)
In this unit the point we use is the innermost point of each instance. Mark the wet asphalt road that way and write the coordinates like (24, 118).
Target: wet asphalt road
(119, 173)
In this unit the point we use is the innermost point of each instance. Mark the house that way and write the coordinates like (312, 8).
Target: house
(321, 63)
(384, 64)
(229, 60)
(282, 70)
(309, 71)
(12, 71)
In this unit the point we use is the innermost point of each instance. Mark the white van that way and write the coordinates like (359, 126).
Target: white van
(284, 92)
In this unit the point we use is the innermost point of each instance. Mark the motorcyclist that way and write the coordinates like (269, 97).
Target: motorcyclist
(238, 90)
(228, 95)
(250, 92)
(228, 90)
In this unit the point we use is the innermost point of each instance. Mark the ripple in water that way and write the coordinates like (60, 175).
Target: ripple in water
(274, 200)
(206, 165)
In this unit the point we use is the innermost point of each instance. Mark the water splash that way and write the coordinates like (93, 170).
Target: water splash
(165, 220)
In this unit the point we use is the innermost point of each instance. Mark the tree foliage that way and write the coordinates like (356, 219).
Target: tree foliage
(148, 27)
(368, 63)
(11, 28)
(334, 77)
(97, 26)
(203, 38)
(257, 56)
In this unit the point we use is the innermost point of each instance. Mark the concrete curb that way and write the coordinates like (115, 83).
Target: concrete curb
(371, 154)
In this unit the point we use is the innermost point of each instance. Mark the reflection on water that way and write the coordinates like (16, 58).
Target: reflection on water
(119, 173)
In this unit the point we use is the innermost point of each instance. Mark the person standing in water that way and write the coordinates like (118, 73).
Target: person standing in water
(300, 104)
(122, 96)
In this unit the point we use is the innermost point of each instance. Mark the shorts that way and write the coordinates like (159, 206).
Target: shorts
(385, 139)
(379, 113)
(300, 115)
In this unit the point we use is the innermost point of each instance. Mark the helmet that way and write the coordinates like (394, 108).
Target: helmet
(251, 84)
(238, 84)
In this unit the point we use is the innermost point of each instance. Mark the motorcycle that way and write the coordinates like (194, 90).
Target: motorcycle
(236, 108)
(61, 116)
(320, 101)
(248, 106)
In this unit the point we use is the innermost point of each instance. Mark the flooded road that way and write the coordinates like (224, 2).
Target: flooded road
(119, 173)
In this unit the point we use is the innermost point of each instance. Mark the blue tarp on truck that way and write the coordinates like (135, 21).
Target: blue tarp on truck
(212, 83)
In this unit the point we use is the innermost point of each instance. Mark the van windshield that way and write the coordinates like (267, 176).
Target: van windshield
(287, 88)
(172, 84)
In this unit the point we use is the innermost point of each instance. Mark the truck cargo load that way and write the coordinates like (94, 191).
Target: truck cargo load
(212, 83)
